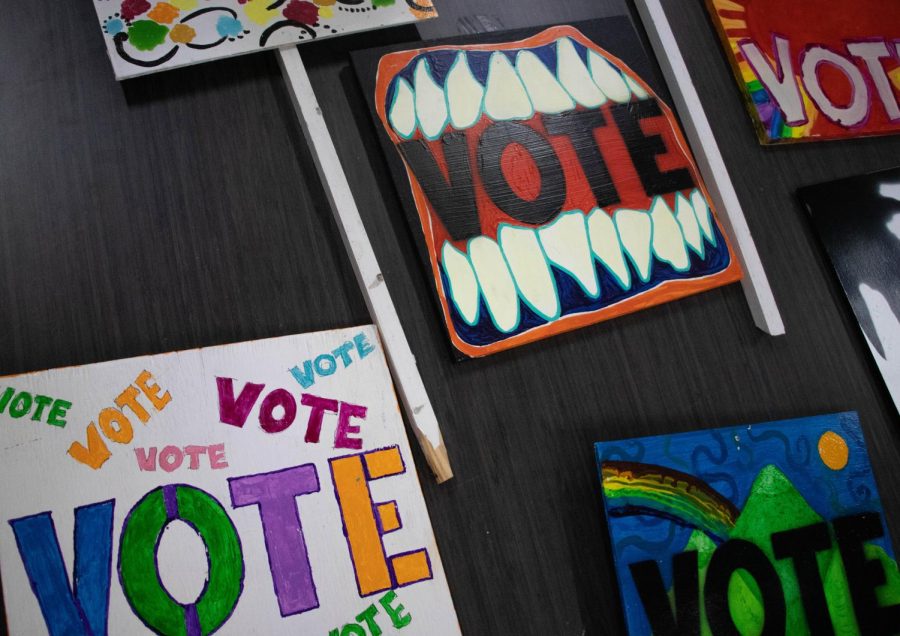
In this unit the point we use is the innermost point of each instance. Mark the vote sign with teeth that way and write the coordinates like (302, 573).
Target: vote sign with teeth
(554, 188)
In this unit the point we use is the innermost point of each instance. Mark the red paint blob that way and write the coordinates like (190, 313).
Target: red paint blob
(133, 8)
(302, 12)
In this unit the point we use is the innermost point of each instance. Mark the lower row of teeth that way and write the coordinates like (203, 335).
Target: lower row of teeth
(518, 264)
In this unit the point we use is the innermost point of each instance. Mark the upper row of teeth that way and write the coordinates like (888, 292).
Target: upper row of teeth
(517, 265)
(510, 92)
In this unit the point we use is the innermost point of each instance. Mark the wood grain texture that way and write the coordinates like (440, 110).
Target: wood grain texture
(182, 210)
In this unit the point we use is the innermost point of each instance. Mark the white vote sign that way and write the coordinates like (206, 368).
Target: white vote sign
(257, 488)
(145, 36)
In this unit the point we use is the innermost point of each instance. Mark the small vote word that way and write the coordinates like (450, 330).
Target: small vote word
(367, 617)
(116, 426)
(171, 458)
(278, 410)
(20, 404)
(326, 364)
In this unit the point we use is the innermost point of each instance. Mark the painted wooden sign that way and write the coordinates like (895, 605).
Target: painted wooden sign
(553, 187)
(144, 36)
(772, 528)
(858, 221)
(258, 488)
(813, 71)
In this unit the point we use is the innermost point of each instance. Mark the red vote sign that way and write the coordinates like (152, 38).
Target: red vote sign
(815, 71)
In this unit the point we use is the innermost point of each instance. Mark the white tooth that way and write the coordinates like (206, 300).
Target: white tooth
(704, 216)
(668, 241)
(403, 110)
(464, 94)
(463, 284)
(636, 229)
(496, 283)
(684, 212)
(546, 94)
(431, 108)
(505, 97)
(565, 242)
(530, 269)
(574, 76)
(608, 78)
(636, 88)
(607, 247)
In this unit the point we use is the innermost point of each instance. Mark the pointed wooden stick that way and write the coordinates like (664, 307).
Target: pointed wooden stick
(371, 282)
(709, 160)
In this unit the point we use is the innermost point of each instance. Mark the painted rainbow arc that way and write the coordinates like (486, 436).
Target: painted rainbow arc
(646, 489)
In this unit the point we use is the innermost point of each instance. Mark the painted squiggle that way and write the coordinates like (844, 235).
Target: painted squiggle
(223, 28)
(803, 447)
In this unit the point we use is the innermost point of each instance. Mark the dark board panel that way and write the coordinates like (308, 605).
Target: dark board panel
(182, 210)
(615, 35)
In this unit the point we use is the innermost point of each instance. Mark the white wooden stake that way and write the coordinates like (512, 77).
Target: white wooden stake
(403, 365)
(709, 159)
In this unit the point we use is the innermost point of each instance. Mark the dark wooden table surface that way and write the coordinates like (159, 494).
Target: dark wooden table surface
(182, 210)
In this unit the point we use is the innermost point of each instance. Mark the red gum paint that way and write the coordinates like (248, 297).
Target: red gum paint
(302, 12)
(133, 8)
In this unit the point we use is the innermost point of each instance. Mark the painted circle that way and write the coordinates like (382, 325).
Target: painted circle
(833, 450)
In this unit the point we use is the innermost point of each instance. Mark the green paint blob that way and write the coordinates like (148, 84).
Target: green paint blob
(382, 3)
(146, 35)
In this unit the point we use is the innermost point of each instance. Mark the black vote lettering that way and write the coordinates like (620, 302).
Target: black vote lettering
(864, 575)
(731, 556)
(801, 545)
(579, 127)
(645, 148)
(649, 583)
(453, 199)
(494, 141)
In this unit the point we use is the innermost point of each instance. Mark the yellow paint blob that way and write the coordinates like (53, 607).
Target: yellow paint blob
(895, 77)
(324, 3)
(423, 15)
(326, 12)
(184, 5)
(182, 34)
(833, 450)
(257, 11)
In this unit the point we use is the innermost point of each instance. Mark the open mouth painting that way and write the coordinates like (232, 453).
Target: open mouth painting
(554, 188)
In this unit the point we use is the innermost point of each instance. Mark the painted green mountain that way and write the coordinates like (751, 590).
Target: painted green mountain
(775, 505)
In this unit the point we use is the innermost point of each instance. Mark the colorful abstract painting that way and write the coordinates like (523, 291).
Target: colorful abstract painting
(772, 528)
(144, 36)
(553, 186)
(811, 70)
(858, 222)
(258, 488)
